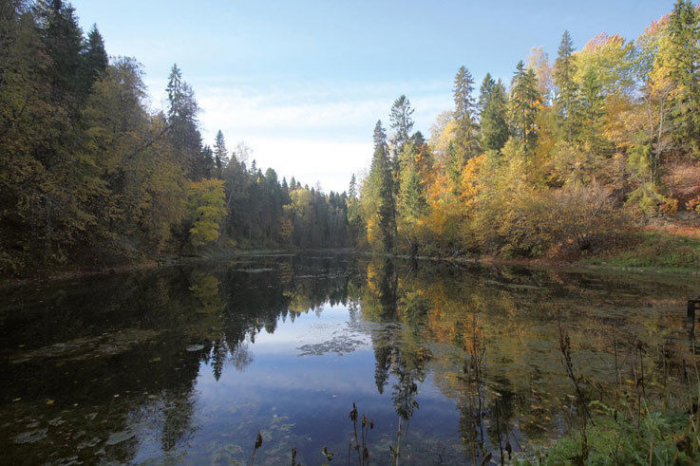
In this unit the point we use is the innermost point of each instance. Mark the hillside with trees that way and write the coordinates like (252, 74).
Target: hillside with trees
(591, 154)
(90, 177)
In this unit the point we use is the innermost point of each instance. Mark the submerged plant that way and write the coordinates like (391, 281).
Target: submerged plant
(640, 428)
(258, 444)
(361, 448)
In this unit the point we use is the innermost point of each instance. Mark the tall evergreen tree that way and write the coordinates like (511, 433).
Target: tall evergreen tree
(220, 153)
(466, 136)
(524, 105)
(95, 58)
(493, 106)
(382, 186)
(591, 111)
(401, 118)
(352, 188)
(63, 43)
(565, 101)
(183, 126)
(684, 64)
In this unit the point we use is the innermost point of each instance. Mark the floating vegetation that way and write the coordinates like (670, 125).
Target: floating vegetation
(88, 347)
(444, 368)
(119, 437)
(339, 345)
(31, 436)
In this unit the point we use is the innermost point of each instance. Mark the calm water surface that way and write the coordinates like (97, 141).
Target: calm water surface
(186, 364)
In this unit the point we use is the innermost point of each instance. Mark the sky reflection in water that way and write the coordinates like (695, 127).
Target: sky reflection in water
(186, 364)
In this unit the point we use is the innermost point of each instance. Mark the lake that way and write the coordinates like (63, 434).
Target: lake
(186, 364)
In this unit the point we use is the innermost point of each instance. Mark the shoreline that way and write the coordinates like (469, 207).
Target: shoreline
(81, 272)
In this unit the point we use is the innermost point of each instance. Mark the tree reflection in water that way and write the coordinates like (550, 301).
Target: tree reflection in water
(481, 339)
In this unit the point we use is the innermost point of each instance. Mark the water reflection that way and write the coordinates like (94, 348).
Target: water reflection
(186, 364)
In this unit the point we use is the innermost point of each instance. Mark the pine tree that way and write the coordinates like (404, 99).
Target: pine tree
(493, 105)
(183, 126)
(221, 159)
(402, 124)
(565, 101)
(95, 59)
(684, 64)
(591, 111)
(208, 162)
(63, 43)
(524, 105)
(382, 187)
(352, 188)
(466, 136)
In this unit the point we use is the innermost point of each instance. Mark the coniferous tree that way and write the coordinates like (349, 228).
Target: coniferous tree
(466, 135)
(493, 105)
(220, 153)
(63, 43)
(381, 213)
(684, 65)
(402, 124)
(524, 105)
(565, 101)
(183, 126)
(208, 162)
(352, 188)
(95, 58)
(591, 112)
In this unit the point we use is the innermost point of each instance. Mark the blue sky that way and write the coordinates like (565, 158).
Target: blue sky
(303, 82)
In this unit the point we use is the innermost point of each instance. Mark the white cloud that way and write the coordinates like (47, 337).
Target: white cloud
(310, 160)
(316, 132)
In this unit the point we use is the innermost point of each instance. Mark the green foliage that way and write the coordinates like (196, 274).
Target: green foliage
(525, 103)
(205, 211)
(466, 138)
(682, 57)
(619, 439)
(565, 168)
(89, 177)
(377, 197)
(565, 101)
(493, 102)
(653, 249)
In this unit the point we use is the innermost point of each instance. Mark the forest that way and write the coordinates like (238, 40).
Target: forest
(88, 177)
(591, 155)
(587, 154)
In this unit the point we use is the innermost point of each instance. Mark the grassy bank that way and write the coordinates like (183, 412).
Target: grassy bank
(650, 248)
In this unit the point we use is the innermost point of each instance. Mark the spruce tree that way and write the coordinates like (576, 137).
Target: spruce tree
(684, 64)
(63, 43)
(352, 188)
(183, 126)
(402, 124)
(493, 105)
(95, 59)
(466, 137)
(591, 111)
(383, 185)
(565, 101)
(220, 153)
(524, 105)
